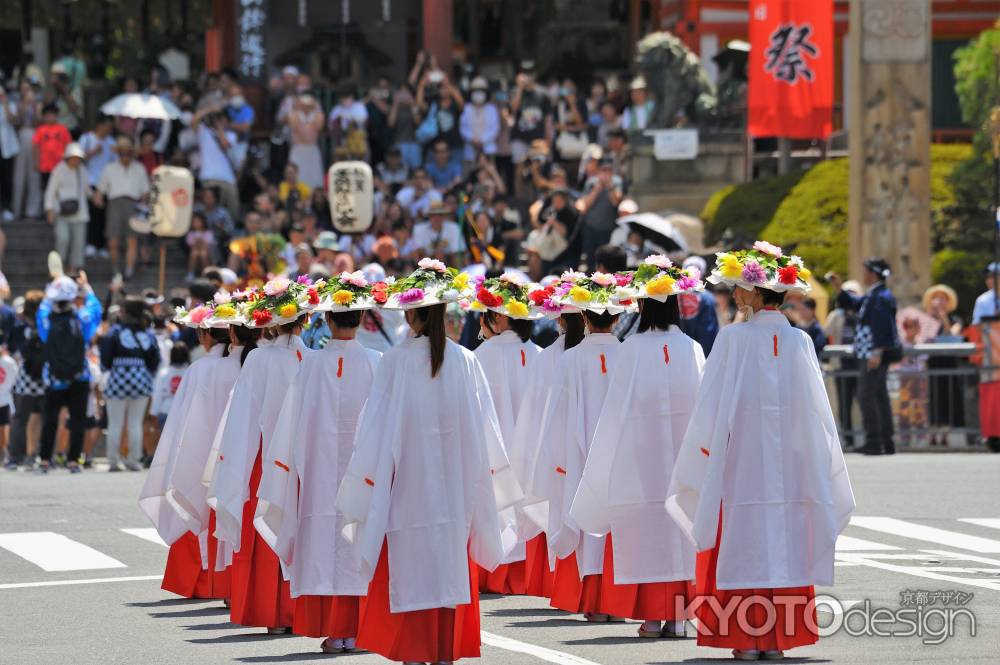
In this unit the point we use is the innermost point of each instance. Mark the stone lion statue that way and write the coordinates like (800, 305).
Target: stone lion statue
(676, 81)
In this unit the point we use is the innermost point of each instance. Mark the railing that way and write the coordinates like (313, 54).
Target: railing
(933, 390)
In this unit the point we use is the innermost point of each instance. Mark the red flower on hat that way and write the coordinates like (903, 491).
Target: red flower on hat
(261, 317)
(379, 292)
(788, 275)
(489, 299)
(313, 296)
(539, 296)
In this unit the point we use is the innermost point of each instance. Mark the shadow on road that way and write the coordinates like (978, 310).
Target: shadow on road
(525, 612)
(295, 657)
(548, 623)
(786, 659)
(191, 614)
(212, 626)
(170, 602)
(630, 639)
(240, 637)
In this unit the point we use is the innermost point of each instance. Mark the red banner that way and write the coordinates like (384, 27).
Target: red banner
(791, 68)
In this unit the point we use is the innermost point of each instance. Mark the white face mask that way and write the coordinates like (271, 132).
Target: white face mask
(478, 96)
(238, 100)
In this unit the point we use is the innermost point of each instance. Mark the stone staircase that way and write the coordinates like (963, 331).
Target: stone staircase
(28, 245)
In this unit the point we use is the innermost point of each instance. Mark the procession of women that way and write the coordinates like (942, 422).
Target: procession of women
(367, 499)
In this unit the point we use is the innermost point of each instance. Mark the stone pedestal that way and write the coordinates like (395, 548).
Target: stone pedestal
(889, 140)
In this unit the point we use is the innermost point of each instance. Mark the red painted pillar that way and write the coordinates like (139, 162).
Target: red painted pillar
(438, 31)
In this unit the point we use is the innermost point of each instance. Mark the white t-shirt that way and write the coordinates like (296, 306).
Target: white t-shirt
(215, 165)
(118, 180)
(359, 250)
(417, 206)
(8, 375)
(448, 240)
(96, 164)
(345, 115)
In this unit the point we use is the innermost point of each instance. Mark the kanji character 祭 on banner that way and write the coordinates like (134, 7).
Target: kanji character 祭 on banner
(791, 68)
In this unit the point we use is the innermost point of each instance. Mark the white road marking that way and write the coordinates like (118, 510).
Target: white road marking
(102, 580)
(918, 571)
(990, 522)
(146, 534)
(927, 533)
(849, 544)
(55, 552)
(541, 653)
(964, 557)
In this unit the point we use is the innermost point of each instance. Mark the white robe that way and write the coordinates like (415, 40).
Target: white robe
(575, 403)
(186, 493)
(762, 441)
(309, 452)
(153, 496)
(249, 428)
(420, 478)
(507, 363)
(523, 447)
(651, 394)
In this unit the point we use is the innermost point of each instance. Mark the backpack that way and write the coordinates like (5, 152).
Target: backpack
(33, 355)
(64, 348)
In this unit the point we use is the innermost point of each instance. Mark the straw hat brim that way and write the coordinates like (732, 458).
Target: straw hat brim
(948, 292)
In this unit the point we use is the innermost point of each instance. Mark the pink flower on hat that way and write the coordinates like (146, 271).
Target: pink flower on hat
(222, 298)
(277, 286)
(603, 279)
(767, 248)
(659, 260)
(356, 278)
(432, 264)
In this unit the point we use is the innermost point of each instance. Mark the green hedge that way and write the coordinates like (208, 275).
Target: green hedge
(746, 209)
(808, 210)
(962, 271)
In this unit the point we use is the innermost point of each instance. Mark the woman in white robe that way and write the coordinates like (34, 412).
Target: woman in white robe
(188, 572)
(574, 405)
(622, 491)
(260, 594)
(523, 449)
(312, 444)
(507, 356)
(760, 484)
(423, 492)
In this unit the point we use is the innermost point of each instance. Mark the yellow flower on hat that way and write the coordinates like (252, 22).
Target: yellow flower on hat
(476, 306)
(343, 297)
(517, 308)
(461, 281)
(805, 274)
(225, 311)
(288, 311)
(580, 294)
(730, 266)
(661, 286)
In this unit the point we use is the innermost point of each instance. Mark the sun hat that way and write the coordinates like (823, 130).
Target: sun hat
(348, 292)
(326, 240)
(507, 295)
(62, 289)
(281, 301)
(432, 283)
(764, 266)
(944, 289)
(599, 293)
(658, 278)
(74, 150)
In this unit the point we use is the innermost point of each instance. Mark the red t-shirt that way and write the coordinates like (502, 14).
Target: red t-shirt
(51, 141)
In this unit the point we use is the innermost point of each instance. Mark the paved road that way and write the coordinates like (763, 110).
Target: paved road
(925, 522)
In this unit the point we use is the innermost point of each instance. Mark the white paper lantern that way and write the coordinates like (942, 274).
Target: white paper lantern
(171, 200)
(351, 191)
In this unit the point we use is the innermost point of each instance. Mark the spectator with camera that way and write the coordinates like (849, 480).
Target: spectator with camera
(215, 145)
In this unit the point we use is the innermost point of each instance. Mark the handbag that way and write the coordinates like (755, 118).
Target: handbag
(428, 128)
(547, 243)
(571, 145)
(69, 207)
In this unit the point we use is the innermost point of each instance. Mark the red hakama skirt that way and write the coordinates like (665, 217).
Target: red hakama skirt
(427, 636)
(649, 601)
(989, 409)
(790, 628)
(260, 596)
(508, 579)
(572, 594)
(327, 616)
(538, 575)
(184, 574)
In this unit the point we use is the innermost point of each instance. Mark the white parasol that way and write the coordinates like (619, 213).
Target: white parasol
(141, 105)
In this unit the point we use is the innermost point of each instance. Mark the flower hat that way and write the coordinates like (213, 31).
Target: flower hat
(507, 295)
(194, 317)
(347, 293)
(764, 266)
(432, 283)
(228, 309)
(600, 292)
(658, 278)
(281, 301)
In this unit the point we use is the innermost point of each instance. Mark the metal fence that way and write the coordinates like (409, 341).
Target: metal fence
(934, 392)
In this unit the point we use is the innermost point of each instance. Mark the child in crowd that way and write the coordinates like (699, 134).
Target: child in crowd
(201, 245)
(168, 380)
